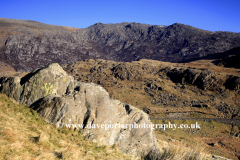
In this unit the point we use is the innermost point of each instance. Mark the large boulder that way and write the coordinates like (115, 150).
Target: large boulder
(61, 101)
(38, 84)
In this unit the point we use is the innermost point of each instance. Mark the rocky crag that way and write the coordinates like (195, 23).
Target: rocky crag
(59, 99)
(28, 45)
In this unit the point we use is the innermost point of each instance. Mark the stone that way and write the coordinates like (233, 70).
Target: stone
(38, 84)
(60, 100)
(12, 88)
(91, 106)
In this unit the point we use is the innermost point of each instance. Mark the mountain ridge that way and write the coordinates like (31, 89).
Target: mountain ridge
(28, 45)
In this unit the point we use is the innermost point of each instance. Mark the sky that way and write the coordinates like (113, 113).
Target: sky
(212, 15)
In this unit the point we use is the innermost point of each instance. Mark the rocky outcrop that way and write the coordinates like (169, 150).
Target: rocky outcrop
(61, 100)
(52, 80)
(27, 45)
(101, 72)
(204, 79)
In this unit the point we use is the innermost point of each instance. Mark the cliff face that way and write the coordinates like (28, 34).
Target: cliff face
(27, 45)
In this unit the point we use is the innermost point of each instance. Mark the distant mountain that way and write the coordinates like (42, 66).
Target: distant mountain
(27, 45)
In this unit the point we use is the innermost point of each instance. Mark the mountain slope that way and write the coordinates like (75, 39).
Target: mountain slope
(27, 45)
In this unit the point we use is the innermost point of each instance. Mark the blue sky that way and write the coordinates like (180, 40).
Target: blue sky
(213, 15)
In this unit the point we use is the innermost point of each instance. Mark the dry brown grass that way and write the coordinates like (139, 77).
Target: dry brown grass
(179, 151)
(25, 136)
(200, 139)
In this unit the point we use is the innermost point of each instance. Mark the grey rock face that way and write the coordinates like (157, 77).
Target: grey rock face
(12, 88)
(52, 80)
(33, 45)
(59, 100)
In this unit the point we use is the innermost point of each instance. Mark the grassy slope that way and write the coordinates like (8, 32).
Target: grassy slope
(25, 136)
(227, 145)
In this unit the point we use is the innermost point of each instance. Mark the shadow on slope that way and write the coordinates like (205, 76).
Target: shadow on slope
(228, 59)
